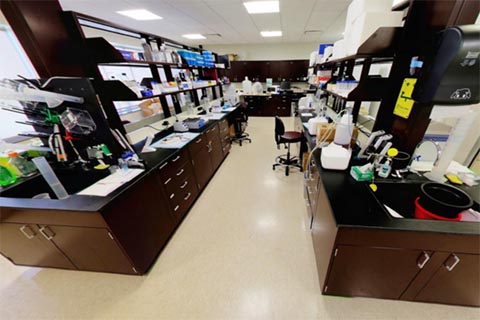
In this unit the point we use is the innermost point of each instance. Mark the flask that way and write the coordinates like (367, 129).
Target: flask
(344, 130)
(147, 50)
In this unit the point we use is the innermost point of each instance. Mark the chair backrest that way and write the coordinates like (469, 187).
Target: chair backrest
(279, 129)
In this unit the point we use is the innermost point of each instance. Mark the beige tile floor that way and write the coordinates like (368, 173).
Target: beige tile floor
(243, 252)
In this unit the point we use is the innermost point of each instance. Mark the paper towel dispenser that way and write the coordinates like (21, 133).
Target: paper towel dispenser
(451, 75)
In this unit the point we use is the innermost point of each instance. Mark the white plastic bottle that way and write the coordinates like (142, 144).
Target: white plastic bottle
(247, 85)
(344, 130)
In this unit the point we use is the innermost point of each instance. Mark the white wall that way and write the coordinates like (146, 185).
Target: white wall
(265, 51)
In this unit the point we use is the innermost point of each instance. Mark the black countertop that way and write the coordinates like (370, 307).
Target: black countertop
(85, 203)
(353, 204)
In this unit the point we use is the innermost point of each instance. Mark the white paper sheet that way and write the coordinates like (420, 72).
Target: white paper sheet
(111, 183)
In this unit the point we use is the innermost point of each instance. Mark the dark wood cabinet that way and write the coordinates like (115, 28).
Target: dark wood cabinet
(282, 105)
(455, 281)
(202, 165)
(291, 70)
(89, 248)
(372, 272)
(214, 146)
(141, 221)
(23, 244)
(225, 137)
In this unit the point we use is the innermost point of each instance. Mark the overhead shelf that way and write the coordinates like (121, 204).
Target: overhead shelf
(116, 90)
(371, 89)
(382, 43)
(104, 53)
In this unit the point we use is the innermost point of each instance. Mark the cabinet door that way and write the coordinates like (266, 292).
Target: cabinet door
(457, 281)
(372, 272)
(23, 244)
(89, 248)
(202, 166)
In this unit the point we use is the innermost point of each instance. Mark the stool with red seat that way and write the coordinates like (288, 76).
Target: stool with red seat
(286, 138)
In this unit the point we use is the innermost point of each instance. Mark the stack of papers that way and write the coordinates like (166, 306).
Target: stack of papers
(111, 183)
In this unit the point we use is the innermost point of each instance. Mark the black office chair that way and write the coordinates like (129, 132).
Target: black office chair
(287, 138)
(240, 122)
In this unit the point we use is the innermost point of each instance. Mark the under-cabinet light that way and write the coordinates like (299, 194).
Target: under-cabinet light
(255, 7)
(140, 14)
(193, 36)
(267, 34)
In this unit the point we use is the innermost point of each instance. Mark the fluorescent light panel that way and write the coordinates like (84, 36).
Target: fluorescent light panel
(194, 36)
(255, 7)
(271, 33)
(140, 14)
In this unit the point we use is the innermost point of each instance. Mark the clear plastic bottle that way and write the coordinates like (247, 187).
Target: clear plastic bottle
(147, 50)
(23, 165)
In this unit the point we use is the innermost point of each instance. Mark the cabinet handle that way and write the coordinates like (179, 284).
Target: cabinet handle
(24, 229)
(175, 160)
(168, 180)
(172, 195)
(43, 230)
(199, 140)
(184, 185)
(179, 173)
(176, 208)
(187, 197)
(452, 266)
(163, 166)
(422, 260)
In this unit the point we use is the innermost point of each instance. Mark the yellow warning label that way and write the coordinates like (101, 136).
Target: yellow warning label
(404, 104)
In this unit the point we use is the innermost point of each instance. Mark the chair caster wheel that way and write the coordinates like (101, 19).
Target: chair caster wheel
(273, 168)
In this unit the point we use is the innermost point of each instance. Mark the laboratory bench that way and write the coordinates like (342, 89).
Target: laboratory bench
(122, 232)
(362, 251)
(271, 104)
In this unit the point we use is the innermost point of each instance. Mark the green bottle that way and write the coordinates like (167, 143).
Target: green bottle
(6, 177)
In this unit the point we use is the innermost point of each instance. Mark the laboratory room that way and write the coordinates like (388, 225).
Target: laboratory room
(237, 159)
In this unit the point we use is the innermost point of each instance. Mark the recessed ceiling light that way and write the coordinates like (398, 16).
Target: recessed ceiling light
(193, 36)
(140, 14)
(254, 7)
(271, 33)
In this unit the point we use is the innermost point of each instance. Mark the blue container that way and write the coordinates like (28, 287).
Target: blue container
(322, 47)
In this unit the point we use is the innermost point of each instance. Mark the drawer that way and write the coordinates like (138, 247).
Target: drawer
(196, 145)
(176, 192)
(183, 201)
(177, 179)
(224, 132)
(226, 148)
(174, 164)
(225, 140)
(223, 125)
(212, 133)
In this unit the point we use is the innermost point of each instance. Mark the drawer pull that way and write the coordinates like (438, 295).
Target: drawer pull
(30, 235)
(455, 259)
(199, 140)
(187, 196)
(172, 195)
(176, 158)
(176, 208)
(184, 185)
(179, 173)
(422, 260)
(163, 166)
(168, 180)
(43, 230)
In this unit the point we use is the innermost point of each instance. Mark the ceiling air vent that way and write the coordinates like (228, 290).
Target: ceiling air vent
(312, 32)
(218, 35)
